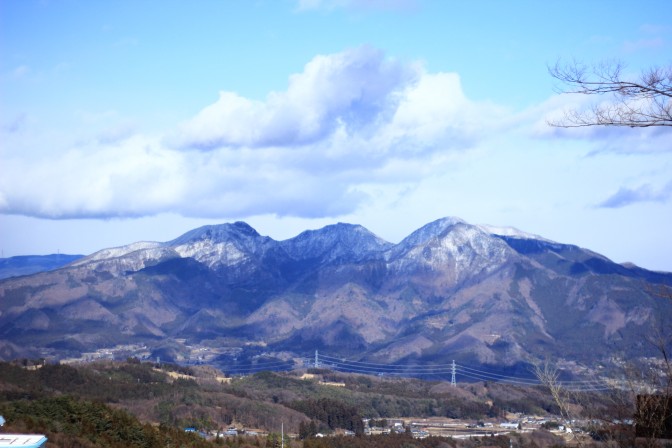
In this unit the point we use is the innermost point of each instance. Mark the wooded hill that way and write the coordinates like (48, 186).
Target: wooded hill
(141, 404)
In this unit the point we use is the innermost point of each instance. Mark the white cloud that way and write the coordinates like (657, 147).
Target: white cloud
(436, 112)
(643, 193)
(133, 178)
(352, 89)
(348, 122)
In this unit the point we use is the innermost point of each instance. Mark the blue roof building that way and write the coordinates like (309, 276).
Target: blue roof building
(22, 440)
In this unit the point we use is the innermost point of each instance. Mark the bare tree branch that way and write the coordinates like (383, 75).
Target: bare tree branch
(549, 375)
(642, 102)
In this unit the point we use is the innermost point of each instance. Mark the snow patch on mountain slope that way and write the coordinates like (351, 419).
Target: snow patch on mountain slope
(334, 241)
(512, 232)
(130, 261)
(462, 248)
(222, 245)
(116, 252)
(212, 253)
(430, 230)
(239, 230)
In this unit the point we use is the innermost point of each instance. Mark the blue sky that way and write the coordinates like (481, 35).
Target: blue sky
(139, 120)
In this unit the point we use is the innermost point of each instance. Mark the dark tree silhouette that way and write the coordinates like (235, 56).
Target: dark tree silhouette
(642, 101)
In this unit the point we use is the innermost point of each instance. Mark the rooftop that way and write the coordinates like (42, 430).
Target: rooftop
(22, 440)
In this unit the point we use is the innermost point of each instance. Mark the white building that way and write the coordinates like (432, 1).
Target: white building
(22, 440)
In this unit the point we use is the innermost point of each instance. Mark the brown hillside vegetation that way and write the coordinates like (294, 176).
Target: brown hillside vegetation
(109, 404)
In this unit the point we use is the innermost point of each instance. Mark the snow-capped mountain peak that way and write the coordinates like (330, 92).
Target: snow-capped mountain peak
(450, 242)
(223, 244)
(216, 233)
(334, 241)
(430, 230)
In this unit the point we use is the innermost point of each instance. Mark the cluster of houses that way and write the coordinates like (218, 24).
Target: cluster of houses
(216, 434)
(458, 429)
(418, 429)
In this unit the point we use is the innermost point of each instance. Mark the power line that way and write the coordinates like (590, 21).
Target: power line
(445, 371)
(446, 366)
(410, 370)
(593, 384)
(258, 367)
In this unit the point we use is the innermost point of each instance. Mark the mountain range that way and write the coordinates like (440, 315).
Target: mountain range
(31, 264)
(449, 291)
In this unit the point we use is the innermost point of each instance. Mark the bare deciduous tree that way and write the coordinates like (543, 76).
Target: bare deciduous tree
(645, 397)
(643, 101)
(654, 409)
(548, 375)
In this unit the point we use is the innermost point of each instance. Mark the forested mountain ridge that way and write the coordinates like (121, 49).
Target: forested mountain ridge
(450, 290)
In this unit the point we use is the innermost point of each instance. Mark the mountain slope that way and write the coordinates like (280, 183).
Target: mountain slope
(31, 264)
(450, 290)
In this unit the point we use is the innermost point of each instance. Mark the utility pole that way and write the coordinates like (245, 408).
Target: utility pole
(282, 434)
(452, 377)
